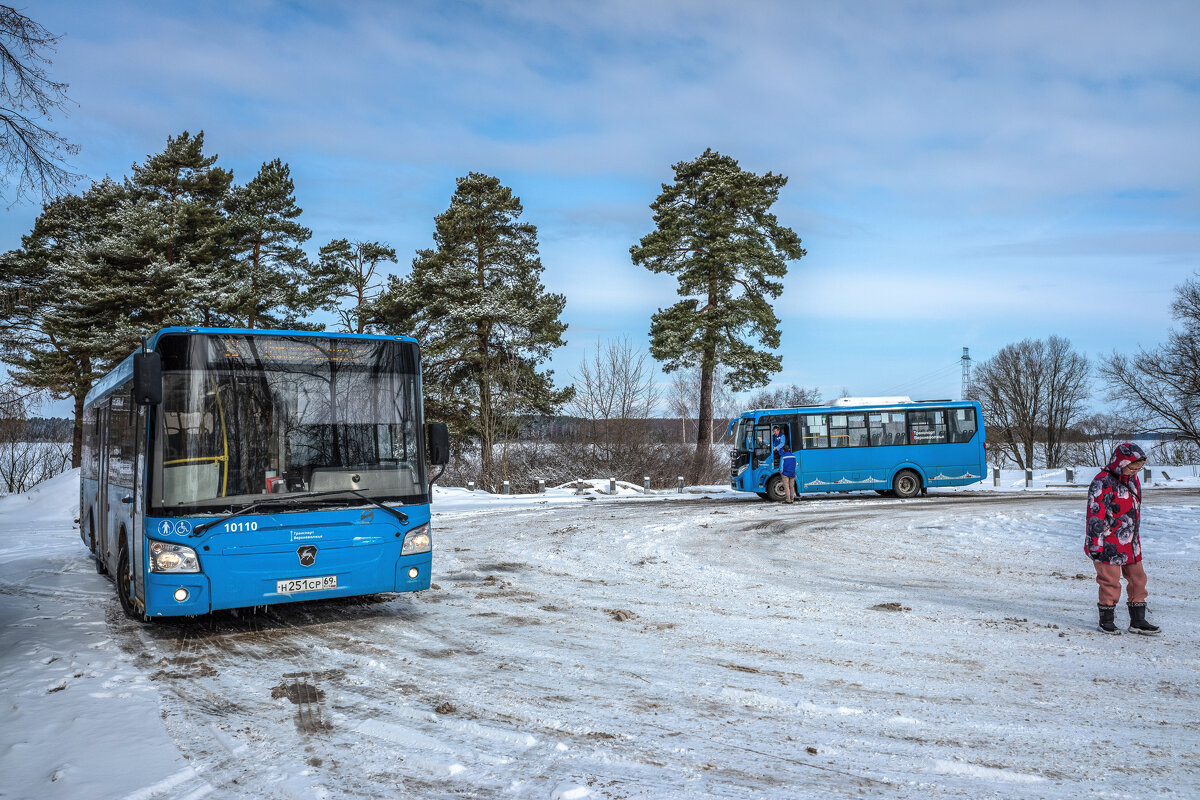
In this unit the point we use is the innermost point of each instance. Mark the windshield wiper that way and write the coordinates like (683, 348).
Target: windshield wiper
(290, 500)
(397, 513)
(294, 500)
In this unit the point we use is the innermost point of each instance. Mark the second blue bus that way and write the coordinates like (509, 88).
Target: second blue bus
(889, 445)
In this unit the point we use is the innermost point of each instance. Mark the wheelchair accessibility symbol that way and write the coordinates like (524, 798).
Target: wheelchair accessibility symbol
(183, 528)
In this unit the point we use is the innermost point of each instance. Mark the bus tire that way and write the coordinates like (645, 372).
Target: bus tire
(124, 580)
(906, 484)
(775, 490)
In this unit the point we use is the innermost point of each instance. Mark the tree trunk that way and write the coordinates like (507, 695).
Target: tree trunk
(701, 458)
(77, 430)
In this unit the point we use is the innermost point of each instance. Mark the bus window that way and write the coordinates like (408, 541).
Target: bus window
(856, 429)
(838, 431)
(814, 431)
(848, 430)
(962, 424)
(886, 427)
(928, 427)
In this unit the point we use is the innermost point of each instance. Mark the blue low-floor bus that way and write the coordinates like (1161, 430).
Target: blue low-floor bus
(892, 445)
(227, 468)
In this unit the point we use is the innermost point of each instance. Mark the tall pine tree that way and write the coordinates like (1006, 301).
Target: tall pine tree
(269, 267)
(345, 281)
(485, 321)
(64, 321)
(715, 232)
(177, 235)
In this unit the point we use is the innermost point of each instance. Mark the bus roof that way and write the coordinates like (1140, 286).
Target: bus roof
(880, 403)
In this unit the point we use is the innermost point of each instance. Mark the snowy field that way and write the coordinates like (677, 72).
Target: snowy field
(581, 645)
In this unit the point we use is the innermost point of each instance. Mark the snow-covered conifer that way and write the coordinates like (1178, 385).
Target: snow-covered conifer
(485, 321)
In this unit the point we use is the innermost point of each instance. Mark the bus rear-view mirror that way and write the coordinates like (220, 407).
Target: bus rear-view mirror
(147, 379)
(439, 444)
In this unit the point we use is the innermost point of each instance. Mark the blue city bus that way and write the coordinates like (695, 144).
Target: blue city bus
(227, 468)
(891, 445)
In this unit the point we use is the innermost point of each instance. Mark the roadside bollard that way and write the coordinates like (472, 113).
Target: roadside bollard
(681, 484)
(541, 485)
(612, 485)
(1028, 478)
(646, 483)
(470, 486)
(505, 488)
(1147, 474)
(1070, 475)
(995, 476)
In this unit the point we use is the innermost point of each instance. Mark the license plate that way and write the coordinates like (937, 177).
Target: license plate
(314, 584)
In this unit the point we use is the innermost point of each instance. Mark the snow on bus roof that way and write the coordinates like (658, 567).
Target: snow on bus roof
(871, 401)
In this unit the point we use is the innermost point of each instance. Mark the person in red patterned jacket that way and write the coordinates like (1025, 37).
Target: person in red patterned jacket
(1112, 541)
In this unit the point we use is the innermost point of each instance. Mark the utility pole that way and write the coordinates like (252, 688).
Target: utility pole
(966, 372)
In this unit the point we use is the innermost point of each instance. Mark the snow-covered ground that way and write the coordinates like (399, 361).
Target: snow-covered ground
(580, 644)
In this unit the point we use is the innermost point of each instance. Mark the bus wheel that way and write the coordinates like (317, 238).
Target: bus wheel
(125, 586)
(775, 490)
(906, 484)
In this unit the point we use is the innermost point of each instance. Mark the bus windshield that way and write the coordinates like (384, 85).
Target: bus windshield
(244, 416)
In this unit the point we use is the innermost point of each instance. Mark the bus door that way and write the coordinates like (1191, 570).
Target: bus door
(762, 446)
(102, 506)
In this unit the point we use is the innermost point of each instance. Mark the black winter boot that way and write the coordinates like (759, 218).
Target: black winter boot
(1137, 621)
(1106, 620)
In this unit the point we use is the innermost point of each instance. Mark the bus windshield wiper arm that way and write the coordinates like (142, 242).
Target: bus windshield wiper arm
(397, 513)
(286, 501)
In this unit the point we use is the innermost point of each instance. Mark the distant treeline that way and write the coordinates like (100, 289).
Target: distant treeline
(41, 429)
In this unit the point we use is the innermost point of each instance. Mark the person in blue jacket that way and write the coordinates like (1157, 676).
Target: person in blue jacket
(777, 443)
(787, 465)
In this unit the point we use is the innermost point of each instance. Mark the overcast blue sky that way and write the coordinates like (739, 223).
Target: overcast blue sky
(961, 174)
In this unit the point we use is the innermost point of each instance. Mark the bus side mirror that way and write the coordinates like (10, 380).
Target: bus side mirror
(147, 379)
(439, 444)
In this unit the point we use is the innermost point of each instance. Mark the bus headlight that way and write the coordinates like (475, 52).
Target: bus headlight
(166, 557)
(417, 541)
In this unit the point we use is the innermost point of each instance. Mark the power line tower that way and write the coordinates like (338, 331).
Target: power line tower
(966, 372)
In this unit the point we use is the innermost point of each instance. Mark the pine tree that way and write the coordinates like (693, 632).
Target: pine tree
(176, 232)
(715, 232)
(269, 267)
(344, 281)
(64, 322)
(485, 321)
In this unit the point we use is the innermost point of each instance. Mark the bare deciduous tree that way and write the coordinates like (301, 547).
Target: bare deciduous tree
(1160, 388)
(786, 397)
(1067, 379)
(1096, 437)
(1032, 391)
(25, 460)
(615, 394)
(32, 156)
